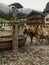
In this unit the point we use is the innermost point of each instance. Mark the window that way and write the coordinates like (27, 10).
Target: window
(47, 19)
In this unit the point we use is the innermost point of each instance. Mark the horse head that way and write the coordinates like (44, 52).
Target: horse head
(26, 30)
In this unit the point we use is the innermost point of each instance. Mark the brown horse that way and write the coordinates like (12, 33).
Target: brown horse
(39, 33)
(42, 33)
(30, 31)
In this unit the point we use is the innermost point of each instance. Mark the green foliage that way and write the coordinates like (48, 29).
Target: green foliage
(4, 20)
(20, 22)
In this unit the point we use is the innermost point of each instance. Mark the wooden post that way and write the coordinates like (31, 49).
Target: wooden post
(14, 34)
(15, 38)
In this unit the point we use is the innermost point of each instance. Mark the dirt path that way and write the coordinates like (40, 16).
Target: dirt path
(27, 55)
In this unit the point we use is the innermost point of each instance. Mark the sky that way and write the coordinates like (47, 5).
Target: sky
(38, 5)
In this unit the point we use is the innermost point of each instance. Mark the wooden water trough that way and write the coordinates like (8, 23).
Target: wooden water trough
(6, 41)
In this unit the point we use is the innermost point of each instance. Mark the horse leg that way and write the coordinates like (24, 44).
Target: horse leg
(42, 40)
(47, 40)
(31, 39)
(38, 40)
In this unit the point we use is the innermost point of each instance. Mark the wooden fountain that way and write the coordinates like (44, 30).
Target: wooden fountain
(12, 40)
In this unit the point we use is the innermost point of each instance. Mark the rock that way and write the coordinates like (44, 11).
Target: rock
(23, 63)
(41, 55)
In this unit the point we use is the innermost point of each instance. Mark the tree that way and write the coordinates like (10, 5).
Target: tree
(47, 8)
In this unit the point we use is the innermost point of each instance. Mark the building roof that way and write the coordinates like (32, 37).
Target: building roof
(17, 5)
(34, 12)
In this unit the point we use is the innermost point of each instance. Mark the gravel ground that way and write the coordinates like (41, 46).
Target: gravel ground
(27, 55)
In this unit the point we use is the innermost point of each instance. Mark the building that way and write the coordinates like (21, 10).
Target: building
(46, 12)
(47, 19)
(35, 17)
